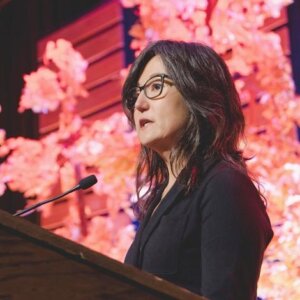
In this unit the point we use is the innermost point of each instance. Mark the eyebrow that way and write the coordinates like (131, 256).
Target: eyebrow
(152, 76)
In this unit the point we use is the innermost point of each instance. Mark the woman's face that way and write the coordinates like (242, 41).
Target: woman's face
(159, 121)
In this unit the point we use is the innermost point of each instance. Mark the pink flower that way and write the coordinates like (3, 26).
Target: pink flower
(71, 64)
(42, 92)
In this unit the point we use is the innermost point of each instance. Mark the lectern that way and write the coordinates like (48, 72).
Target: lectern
(37, 264)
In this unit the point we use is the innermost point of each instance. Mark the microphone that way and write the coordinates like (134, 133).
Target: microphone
(83, 184)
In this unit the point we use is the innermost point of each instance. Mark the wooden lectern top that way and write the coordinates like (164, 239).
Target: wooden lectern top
(37, 264)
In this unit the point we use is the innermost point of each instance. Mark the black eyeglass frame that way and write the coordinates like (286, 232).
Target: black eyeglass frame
(130, 101)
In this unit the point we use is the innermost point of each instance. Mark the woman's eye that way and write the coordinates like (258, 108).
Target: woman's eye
(156, 86)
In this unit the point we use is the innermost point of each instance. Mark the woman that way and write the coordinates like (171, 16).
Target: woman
(203, 223)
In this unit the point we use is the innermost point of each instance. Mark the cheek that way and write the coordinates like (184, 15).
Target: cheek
(173, 124)
(180, 116)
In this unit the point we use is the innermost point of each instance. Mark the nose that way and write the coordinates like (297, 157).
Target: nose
(142, 102)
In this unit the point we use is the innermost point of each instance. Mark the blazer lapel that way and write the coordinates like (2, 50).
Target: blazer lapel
(153, 221)
(134, 253)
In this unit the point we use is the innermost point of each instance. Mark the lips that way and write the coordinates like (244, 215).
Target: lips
(144, 122)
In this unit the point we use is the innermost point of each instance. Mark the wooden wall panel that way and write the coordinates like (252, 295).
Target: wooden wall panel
(98, 36)
(104, 69)
(91, 24)
(101, 44)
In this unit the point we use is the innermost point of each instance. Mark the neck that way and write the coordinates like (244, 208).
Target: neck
(173, 172)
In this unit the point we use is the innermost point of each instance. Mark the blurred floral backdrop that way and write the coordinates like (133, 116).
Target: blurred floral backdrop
(109, 147)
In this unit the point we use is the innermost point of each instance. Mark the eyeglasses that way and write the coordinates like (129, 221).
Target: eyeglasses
(154, 87)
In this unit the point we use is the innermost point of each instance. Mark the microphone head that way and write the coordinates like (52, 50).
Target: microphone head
(87, 182)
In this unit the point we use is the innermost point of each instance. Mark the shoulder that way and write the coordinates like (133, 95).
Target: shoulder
(224, 175)
(228, 188)
(227, 176)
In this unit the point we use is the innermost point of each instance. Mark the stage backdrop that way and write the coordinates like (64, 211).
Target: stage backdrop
(83, 133)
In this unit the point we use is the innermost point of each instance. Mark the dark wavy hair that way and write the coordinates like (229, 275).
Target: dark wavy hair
(215, 124)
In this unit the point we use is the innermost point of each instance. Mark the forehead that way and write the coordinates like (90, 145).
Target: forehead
(154, 67)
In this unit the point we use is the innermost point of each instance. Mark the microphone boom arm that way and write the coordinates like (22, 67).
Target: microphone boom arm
(84, 184)
(23, 211)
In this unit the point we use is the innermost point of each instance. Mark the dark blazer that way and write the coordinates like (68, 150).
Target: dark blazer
(210, 241)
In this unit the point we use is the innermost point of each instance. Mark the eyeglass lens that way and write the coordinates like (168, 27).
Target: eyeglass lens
(153, 88)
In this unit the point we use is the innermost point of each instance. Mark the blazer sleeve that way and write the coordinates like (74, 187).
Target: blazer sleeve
(235, 231)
